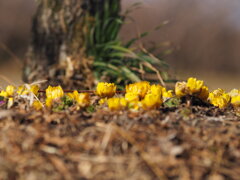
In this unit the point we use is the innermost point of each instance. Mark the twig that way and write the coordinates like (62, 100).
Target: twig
(6, 79)
(81, 91)
(145, 157)
(156, 71)
(60, 166)
(152, 56)
(7, 50)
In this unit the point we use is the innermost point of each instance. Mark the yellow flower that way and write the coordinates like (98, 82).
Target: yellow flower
(73, 95)
(235, 97)
(204, 93)
(220, 101)
(235, 101)
(102, 101)
(22, 90)
(34, 89)
(181, 89)
(156, 89)
(83, 100)
(194, 85)
(139, 88)
(166, 94)
(106, 89)
(4, 94)
(130, 97)
(10, 90)
(54, 92)
(219, 98)
(217, 92)
(117, 103)
(37, 105)
(151, 101)
(234, 92)
(49, 102)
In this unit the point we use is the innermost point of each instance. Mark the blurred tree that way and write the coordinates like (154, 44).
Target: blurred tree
(57, 51)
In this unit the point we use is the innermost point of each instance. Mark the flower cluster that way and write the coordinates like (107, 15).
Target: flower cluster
(139, 95)
(24, 91)
(55, 97)
(82, 99)
(146, 96)
(8, 92)
(219, 98)
(117, 103)
(192, 87)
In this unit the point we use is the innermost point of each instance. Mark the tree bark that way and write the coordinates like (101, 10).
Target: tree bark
(57, 50)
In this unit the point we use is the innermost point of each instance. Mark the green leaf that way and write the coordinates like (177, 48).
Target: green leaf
(131, 42)
(67, 101)
(1, 98)
(130, 74)
(144, 34)
(90, 109)
(172, 102)
(161, 25)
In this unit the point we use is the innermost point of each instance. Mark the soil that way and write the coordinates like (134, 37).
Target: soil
(188, 142)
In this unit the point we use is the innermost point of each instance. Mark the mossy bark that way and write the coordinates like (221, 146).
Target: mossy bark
(57, 50)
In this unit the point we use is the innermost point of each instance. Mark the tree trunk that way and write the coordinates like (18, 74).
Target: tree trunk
(57, 51)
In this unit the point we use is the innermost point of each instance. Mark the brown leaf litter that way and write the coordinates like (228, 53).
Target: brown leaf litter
(169, 143)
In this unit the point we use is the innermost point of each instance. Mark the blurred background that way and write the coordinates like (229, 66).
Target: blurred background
(203, 36)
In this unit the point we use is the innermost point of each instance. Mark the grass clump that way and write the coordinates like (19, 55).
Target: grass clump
(115, 61)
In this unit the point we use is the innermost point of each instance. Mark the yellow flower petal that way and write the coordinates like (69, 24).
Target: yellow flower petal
(194, 85)
(181, 89)
(139, 88)
(37, 105)
(156, 89)
(117, 103)
(102, 101)
(130, 97)
(4, 94)
(204, 93)
(10, 90)
(83, 100)
(234, 92)
(34, 89)
(151, 101)
(49, 102)
(166, 94)
(235, 100)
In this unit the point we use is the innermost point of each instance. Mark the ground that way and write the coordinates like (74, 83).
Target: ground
(188, 142)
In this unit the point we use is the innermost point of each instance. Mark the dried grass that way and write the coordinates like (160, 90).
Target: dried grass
(201, 143)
